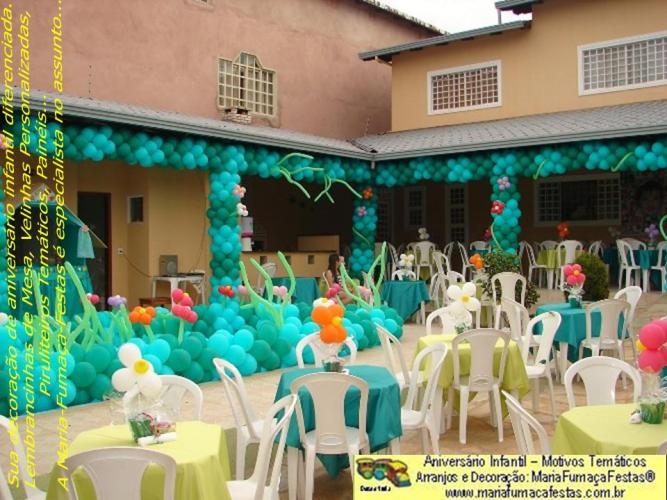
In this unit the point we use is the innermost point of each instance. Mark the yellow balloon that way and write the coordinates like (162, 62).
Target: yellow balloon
(640, 347)
(336, 320)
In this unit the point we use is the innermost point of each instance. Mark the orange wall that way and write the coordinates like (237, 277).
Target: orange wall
(538, 65)
(164, 55)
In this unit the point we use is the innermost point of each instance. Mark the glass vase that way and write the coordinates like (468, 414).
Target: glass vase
(651, 403)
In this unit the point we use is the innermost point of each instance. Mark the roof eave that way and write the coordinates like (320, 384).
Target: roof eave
(517, 6)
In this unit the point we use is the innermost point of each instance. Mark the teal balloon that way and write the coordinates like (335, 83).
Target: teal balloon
(244, 338)
(159, 348)
(235, 355)
(195, 372)
(154, 361)
(99, 357)
(179, 360)
(260, 350)
(192, 345)
(83, 374)
(99, 387)
(248, 366)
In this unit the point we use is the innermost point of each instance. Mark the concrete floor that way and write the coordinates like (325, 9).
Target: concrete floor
(482, 438)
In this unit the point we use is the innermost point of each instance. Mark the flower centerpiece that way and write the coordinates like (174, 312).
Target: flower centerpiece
(563, 230)
(329, 316)
(573, 286)
(478, 261)
(406, 262)
(463, 303)
(652, 233)
(652, 347)
(423, 235)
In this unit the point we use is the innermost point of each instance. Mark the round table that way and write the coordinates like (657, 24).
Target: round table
(383, 415)
(200, 452)
(605, 430)
(404, 296)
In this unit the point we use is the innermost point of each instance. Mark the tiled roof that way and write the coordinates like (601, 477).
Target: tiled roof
(645, 118)
(406, 17)
(386, 53)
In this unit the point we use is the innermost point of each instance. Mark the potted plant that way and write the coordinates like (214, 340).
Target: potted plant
(498, 261)
(596, 286)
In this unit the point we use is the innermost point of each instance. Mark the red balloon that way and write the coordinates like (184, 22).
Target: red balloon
(176, 294)
(652, 336)
(651, 360)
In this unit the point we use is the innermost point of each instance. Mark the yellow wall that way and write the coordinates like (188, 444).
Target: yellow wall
(539, 65)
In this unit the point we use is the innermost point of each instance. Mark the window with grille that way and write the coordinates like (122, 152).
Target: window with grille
(464, 88)
(244, 83)
(628, 63)
(415, 207)
(455, 207)
(384, 211)
(579, 200)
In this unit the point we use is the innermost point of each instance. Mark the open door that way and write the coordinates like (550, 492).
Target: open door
(94, 210)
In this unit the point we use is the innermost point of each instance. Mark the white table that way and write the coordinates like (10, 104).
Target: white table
(197, 280)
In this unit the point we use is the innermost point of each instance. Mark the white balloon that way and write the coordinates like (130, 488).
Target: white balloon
(123, 379)
(3, 318)
(150, 385)
(129, 353)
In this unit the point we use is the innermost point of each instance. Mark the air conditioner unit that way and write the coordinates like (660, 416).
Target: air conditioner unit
(168, 265)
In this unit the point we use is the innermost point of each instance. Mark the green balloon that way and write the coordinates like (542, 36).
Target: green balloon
(83, 374)
(179, 360)
(99, 387)
(195, 372)
(260, 350)
(99, 357)
(193, 345)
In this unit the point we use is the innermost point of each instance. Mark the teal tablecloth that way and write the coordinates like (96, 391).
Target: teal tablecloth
(305, 289)
(643, 258)
(383, 416)
(404, 296)
(73, 301)
(572, 328)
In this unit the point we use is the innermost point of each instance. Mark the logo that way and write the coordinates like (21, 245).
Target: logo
(393, 471)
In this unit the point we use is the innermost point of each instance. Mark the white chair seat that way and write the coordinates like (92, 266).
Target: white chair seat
(334, 444)
(410, 419)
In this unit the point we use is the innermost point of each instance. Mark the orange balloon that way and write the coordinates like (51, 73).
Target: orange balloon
(150, 310)
(337, 310)
(341, 334)
(321, 315)
(145, 319)
(134, 316)
(329, 334)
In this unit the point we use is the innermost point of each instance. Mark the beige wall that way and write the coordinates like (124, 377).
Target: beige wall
(539, 65)
(163, 54)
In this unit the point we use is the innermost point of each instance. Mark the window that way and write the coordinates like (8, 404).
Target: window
(455, 212)
(623, 64)
(135, 209)
(464, 88)
(415, 207)
(244, 83)
(580, 199)
(384, 212)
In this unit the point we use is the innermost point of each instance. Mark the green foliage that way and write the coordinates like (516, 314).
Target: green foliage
(497, 261)
(596, 286)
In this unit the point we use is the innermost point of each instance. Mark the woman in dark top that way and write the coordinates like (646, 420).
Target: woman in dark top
(332, 276)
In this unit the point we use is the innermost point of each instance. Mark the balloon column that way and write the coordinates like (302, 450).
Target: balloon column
(364, 225)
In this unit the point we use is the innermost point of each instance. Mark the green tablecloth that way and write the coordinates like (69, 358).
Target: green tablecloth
(200, 453)
(515, 377)
(73, 301)
(404, 296)
(605, 430)
(383, 417)
(549, 258)
(572, 329)
(305, 289)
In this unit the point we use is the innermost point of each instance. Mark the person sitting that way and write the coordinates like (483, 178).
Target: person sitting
(332, 277)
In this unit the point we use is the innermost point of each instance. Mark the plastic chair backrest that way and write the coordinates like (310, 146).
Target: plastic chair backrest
(438, 289)
(630, 294)
(596, 248)
(662, 253)
(550, 321)
(463, 252)
(482, 350)
(276, 421)
(611, 311)
(566, 252)
(327, 391)
(549, 245)
(244, 415)
(524, 424)
(449, 249)
(105, 466)
(479, 245)
(175, 388)
(517, 318)
(441, 262)
(321, 351)
(625, 255)
(599, 374)
(446, 318)
(437, 353)
(24, 477)
(508, 283)
(423, 250)
(393, 353)
(456, 277)
(402, 274)
(532, 261)
(270, 268)
(635, 244)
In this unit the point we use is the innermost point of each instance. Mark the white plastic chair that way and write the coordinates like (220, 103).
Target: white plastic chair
(392, 262)
(611, 311)
(438, 290)
(517, 318)
(393, 354)
(330, 436)
(478, 245)
(403, 274)
(465, 261)
(541, 269)
(116, 472)
(423, 252)
(524, 424)
(456, 277)
(632, 295)
(600, 374)
(627, 264)
(249, 427)
(445, 317)
(596, 248)
(481, 378)
(540, 366)
(25, 480)
(420, 413)
(275, 422)
(507, 281)
(661, 265)
(175, 389)
(448, 249)
(635, 244)
(270, 268)
(320, 350)
(566, 253)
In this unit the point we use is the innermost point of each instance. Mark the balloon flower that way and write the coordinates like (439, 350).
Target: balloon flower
(226, 290)
(116, 301)
(563, 230)
(367, 193)
(504, 183)
(239, 191)
(652, 344)
(497, 207)
(361, 211)
(143, 316)
(182, 308)
(477, 261)
(464, 301)
(329, 316)
(138, 376)
(574, 279)
(93, 298)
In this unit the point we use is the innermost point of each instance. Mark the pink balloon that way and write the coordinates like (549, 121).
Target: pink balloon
(571, 279)
(276, 290)
(177, 310)
(567, 270)
(191, 317)
(651, 360)
(652, 336)
(186, 301)
(242, 290)
(576, 267)
(662, 323)
(283, 290)
(176, 294)
(663, 350)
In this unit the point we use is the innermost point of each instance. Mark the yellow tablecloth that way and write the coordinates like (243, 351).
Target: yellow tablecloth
(605, 430)
(515, 377)
(200, 453)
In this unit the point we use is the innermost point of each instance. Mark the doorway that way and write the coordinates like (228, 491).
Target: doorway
(94, 211)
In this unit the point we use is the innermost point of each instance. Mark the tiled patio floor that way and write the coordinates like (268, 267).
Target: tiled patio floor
(482, 438)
